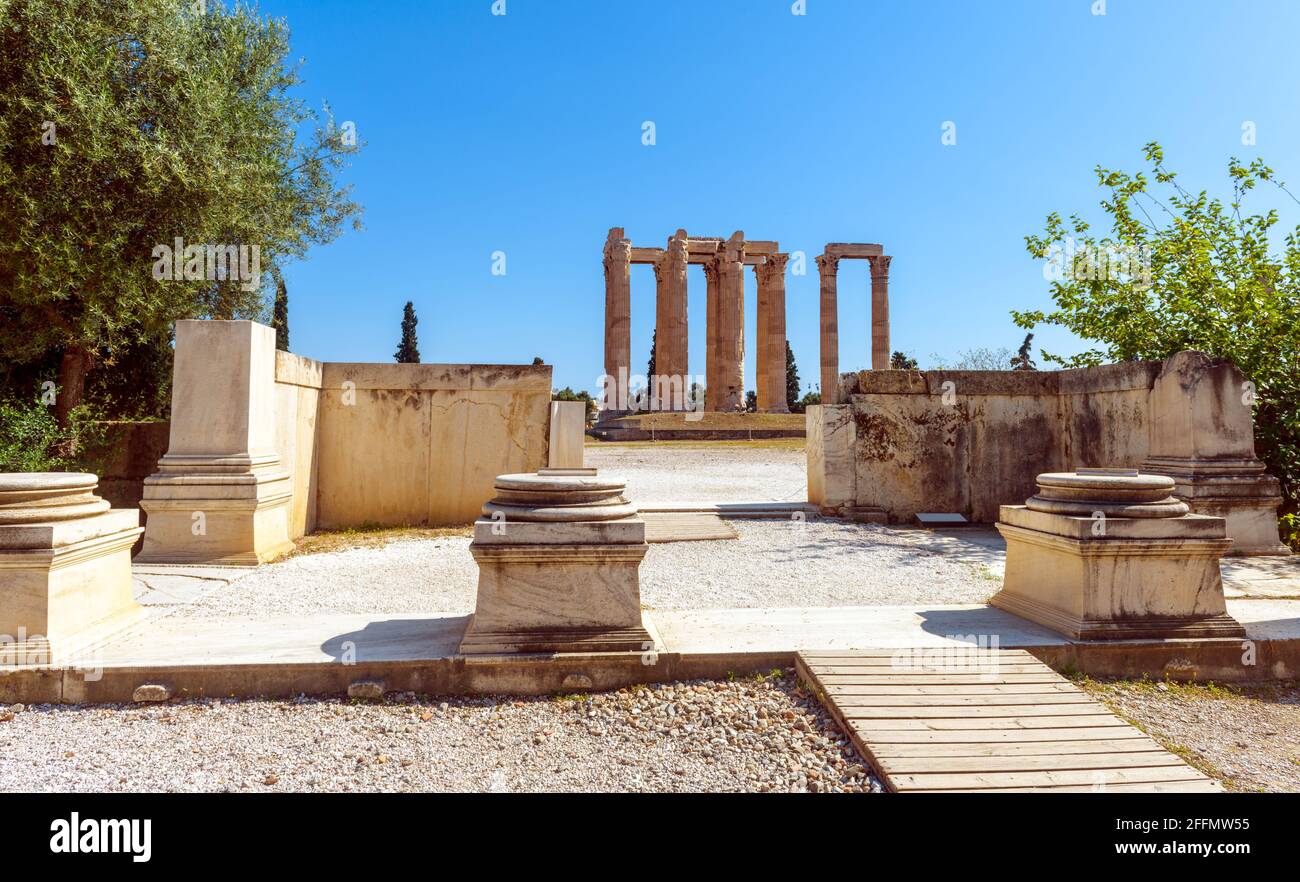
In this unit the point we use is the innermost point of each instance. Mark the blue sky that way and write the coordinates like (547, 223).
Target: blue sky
(522, 133)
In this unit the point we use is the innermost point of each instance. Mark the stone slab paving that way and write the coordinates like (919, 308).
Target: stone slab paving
(988, 721)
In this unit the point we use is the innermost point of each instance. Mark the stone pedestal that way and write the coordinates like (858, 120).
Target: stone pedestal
(220, 494)
(1203, 436)
(568, 432)
(1108, 554)
(559, 561)
(65, 566)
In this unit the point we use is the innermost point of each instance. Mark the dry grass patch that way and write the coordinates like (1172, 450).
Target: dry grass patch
(371, 537)
(1246, 736)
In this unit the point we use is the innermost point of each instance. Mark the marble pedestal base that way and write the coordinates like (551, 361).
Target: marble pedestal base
(199, 514)
(559, 560)
(64, 584)
(1142, 579)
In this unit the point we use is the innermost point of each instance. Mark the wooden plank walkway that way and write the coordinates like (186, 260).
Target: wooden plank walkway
(986, 721)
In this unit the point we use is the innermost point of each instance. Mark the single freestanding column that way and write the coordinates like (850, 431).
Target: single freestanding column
(771, 280)
(712, 377)
(731, 322)
(880, 312)
(762, 304)
(828, 267)
(65, 566)
(220, 494)
(618, 313)
(671, 382)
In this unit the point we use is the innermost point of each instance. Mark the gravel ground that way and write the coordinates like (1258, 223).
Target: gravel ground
(1246, 736)
(719, 473)
(775, 563)
(759, 734)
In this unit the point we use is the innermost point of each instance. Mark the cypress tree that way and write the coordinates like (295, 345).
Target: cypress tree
(280, 319)
(408, 351)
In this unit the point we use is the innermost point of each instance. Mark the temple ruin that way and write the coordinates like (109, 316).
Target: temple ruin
(724, 261)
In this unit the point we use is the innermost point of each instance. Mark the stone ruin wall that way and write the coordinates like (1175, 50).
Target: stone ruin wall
(898, 446)
(420, 444)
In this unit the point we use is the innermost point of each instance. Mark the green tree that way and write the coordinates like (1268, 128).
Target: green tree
(408, 349)
(791, 378)
(900, 361)
(650, 368)
(1023, 361)
(751, 401)
(126, 126)
(1182, 270)
(280, 316)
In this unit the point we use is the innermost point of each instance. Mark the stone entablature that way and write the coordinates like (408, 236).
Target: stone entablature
(905, 442)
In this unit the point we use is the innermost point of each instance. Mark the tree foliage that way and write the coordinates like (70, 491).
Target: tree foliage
(1208, 276)
(408, 348)
(126, 125)
(791, 378)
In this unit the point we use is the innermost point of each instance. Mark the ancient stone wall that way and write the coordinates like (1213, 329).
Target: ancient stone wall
(422, 443)
(970, 441)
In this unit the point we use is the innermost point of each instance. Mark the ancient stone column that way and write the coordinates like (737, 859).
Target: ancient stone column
(880, 312)
(731, 324)
(712, 379)
(762, 300)
(672, 382)
(771, 282)
(618, 317)
(828, 267)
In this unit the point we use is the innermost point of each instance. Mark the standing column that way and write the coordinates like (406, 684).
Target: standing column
(827, 267)
(772, 278)
(618, 318)
(670, 323)
(712, 378)
(731, 324)
(880, 312)
(762, 353)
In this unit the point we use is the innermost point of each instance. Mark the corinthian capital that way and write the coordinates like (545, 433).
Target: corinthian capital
(827, 265)
(880, 266)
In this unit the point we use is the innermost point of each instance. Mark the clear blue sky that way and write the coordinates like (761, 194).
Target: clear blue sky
(522, 134)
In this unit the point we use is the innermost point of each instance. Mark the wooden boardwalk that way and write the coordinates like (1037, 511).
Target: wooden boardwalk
(986, 721)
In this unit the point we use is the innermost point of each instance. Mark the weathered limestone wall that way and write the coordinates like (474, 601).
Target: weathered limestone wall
(970, 441)
(297, 398)
(423, 443)
(269, 441)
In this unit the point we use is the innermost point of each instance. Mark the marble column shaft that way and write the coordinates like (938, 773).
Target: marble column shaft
(712, 378)
(880, 312)
(762, 302)
(772, 281)
(670, 323)
(828, 267)
(618, 313)
(731, 325)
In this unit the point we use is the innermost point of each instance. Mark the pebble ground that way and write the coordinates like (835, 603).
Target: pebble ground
(753, 735)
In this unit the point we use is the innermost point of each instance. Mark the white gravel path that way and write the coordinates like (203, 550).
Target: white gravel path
(775, 563)
(751, 735)
(667, 474)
